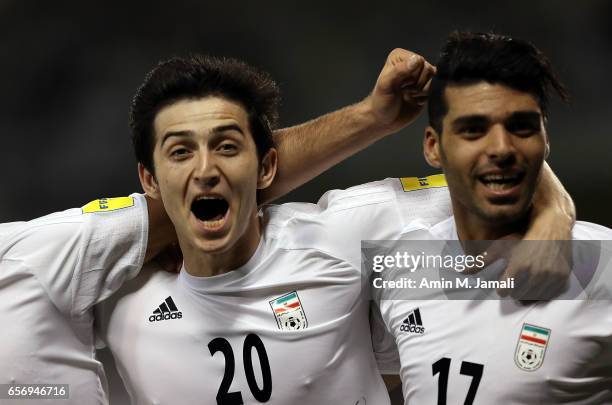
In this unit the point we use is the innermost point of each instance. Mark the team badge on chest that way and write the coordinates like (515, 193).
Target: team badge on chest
(531, 347)
(288, 312)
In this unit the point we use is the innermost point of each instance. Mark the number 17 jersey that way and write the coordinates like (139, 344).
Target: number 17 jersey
(481, 352)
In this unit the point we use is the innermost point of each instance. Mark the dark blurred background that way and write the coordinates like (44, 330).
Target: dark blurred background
(68, 72)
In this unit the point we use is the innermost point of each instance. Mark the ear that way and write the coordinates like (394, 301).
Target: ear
(267, 169)
(431, 148)
(547, 151)
(148, 182)
(546, 138)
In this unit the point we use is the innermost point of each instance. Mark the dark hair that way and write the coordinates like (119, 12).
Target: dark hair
(199, 76)
(468, 57)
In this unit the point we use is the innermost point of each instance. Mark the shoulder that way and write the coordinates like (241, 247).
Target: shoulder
(350, 207)
(8, 228)
(100, 209)
(416, 195)
(63, 231)
(592, 256)
(375, 192)
(20, 240)
(423, 199)
(591, 242)
(378, 210)
(407, 191)
(589, 231)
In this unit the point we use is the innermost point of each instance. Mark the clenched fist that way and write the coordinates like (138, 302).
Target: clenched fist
(401, 89)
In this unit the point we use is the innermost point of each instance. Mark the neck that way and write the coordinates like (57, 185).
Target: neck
(204, 264)
(471, 226)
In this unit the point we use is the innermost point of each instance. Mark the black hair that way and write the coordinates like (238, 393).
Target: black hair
(198, 76)
(469, 57)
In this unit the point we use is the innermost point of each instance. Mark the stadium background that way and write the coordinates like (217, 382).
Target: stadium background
(69, 70)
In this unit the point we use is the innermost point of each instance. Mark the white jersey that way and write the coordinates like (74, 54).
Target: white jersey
(291, 326)
(7, 228)
(501, 351)
(52, 271)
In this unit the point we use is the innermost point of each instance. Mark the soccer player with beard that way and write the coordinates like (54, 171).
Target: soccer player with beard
(267, 308)
(488, 114)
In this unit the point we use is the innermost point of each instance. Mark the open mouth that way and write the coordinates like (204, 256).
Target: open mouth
(211, 211)
(501, 182)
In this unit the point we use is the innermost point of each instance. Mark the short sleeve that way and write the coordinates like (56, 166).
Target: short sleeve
(81, 256)
(340, 220)
(380, 210)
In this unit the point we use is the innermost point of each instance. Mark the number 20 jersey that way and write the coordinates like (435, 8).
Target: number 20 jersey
(291, 326)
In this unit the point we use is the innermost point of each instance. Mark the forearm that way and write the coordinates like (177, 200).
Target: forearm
(553, 205)
(161, 229)
(309, 149)
(544, 268)
(391, 381)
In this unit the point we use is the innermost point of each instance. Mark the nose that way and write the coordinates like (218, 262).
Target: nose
(500, 147)
(206, 172)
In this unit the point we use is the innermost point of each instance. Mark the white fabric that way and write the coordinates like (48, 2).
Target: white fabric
(52, 271)
(577, 366)
(7, 228)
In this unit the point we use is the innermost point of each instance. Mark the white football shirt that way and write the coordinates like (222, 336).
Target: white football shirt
(290, 326)
(52, 271)
(7, 228)
(501, 351)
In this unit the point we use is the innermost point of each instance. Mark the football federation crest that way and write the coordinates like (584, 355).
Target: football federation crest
(288, 312)
(531, 347)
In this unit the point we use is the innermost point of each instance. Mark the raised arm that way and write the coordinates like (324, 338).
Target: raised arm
(161, 236)
(309, 149)
(552, 205)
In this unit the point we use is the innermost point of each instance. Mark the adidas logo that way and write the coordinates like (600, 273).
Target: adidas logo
(167, 310)
(413, 323)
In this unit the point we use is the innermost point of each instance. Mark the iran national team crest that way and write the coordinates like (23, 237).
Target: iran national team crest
(531, 347)
(288, 312)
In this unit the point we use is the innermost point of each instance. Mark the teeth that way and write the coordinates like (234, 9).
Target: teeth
(497, 182)
(498, 177)
(213, 224)
(207, 197)
(499, 186)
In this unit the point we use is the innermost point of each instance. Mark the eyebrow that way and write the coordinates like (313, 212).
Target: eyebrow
(477, 119)
(474, 119)
(525, 115)
(228, 127)
(215, 131)
(171, 134)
